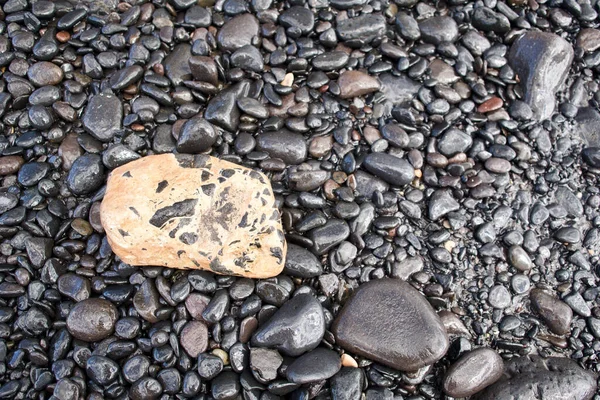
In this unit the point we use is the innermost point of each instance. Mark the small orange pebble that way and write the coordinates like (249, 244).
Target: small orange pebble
(63, 36)
(348, 361)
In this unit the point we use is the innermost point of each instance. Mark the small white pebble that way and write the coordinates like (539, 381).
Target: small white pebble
(449, 245)
(222, 355)
(288, 79)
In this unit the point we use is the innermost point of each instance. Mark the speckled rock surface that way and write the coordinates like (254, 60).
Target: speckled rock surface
(194, 212)
(536, 378)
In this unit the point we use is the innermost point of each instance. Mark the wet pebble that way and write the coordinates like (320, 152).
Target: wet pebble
(473, 372)
(92, 320)
(298, 326)
(405, 338)
(302, 370)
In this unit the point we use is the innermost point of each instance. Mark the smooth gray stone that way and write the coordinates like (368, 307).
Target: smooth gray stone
(542, 61)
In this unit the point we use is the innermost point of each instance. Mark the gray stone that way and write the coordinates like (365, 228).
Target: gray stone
(176, 64)
(393, 170)
(536, 378)
(555, 313)
(542, 61)
(303, 370)
(238, 32)
(285, 145)
(388, 321)
(441, 203)
(473, 372)
(297, 327)
(588, 126)
(103, 116)
(438, 29)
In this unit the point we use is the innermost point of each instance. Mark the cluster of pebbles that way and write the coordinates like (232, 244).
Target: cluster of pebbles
(435, 165)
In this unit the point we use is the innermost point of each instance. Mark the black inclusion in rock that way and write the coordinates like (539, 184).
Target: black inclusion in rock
(184, 208)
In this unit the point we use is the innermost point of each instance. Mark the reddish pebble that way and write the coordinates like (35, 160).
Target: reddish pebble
(194, 338)
(63, 36)
(158, 68)
(490, 105)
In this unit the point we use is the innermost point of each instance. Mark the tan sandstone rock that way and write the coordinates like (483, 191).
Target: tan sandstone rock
(194, 212)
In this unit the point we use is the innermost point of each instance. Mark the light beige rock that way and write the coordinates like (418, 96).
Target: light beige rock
(356, 83)
(194, 212)
(348, 361)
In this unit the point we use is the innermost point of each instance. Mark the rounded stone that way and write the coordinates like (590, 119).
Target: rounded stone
(194, 338)
(473, 372)
(45, 73)
(92, 320)
(390, 322)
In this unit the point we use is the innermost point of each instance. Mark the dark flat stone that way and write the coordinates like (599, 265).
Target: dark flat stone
(390, 322)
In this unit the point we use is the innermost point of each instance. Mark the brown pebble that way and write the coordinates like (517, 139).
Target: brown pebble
(69, 151)
(320, 146)
(492, 104)
(339, 176)
(357, 83)
(247, 328)
(10, 165)
(131, 89)
(329, 187)
(288, 79)
(554, 340)
(176, 128)
(158, 68)
(82, 227)
(95, 217)
(122, 7)
(63, 36)
(351, 182)
(371, 134)
(146, 12)
(458, 158)
(195, 305)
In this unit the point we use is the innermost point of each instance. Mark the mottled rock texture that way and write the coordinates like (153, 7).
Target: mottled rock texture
(194, 212)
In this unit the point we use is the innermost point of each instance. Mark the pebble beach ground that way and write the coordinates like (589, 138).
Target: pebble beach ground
(434, 168)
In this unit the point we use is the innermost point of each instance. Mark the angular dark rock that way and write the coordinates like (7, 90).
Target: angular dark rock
(103, 116)
(297, 327)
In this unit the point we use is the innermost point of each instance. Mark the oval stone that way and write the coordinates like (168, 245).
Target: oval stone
(390, 322)
(473, 372)
(92, 320)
